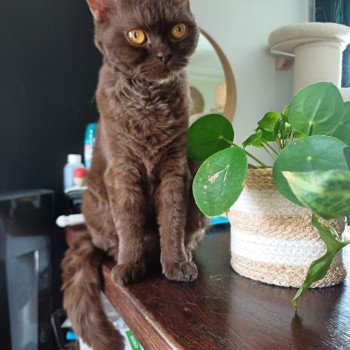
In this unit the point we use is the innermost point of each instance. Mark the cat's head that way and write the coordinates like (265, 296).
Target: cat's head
(152, 39)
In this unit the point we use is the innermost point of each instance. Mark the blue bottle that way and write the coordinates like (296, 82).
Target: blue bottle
(89, 141)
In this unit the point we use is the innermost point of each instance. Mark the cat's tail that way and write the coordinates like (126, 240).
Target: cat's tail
(81, 296)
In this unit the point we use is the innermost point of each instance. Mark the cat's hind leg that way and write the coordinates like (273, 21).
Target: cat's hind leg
(99, 221)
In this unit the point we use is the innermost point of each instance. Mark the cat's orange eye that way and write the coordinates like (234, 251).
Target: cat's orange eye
(179, 31)
(137, 36)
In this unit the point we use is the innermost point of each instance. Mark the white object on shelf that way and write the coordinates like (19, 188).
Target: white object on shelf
(70, 220)
(73, 162)
(345, 92)
(316, 49)
(75, 188)
(130, 341)
(83, 346)
(346, 233)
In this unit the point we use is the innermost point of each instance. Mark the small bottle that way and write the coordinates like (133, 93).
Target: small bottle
(89, 144)
(74, 162)
(79, 177)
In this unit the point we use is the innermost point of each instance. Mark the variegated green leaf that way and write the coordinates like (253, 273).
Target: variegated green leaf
(307, 154)
(325, 192)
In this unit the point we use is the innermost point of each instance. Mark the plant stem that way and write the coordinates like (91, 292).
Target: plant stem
(268, 152)
(254, 158)
(246, 152)
(327, 223)
(252, 166)
(279, 143)
(272, 149)
(310, 130)
(282, 142)
(291, 136)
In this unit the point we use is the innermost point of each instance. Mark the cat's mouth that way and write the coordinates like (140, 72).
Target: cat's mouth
(159, 71)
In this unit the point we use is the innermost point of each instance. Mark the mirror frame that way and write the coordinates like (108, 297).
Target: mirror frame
(231, 91)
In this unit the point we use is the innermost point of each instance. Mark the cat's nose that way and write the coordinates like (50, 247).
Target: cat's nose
(164, 56)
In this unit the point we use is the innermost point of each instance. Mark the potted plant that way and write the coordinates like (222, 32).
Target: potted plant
(285, 226)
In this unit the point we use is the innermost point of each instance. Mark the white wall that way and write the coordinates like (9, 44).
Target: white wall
(242, 28)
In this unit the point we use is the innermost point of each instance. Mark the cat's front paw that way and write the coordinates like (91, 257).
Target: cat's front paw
(125, 273)
(184, 271)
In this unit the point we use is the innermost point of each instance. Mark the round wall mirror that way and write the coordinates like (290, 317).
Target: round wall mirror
(211, 81)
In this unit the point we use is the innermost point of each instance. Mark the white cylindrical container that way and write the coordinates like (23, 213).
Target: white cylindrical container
(327, 56)
(316, 49)
(273, 240)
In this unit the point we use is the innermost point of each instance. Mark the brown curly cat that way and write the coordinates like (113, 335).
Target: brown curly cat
(138, 206)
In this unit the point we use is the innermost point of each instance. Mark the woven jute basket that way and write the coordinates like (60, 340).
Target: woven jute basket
(272, 239)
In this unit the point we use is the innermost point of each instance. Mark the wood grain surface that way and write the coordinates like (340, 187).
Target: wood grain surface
(222, 310)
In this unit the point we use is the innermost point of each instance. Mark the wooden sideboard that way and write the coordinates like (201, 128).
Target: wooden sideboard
(222, 310)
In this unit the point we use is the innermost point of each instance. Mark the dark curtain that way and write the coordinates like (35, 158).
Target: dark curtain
(48, 77)
(337, 11)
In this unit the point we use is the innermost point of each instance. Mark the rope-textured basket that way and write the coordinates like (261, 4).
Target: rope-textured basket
(272, 239)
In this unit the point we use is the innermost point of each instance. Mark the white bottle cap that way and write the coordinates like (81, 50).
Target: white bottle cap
(74, 158)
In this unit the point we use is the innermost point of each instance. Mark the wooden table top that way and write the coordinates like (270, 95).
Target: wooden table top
(222, 310)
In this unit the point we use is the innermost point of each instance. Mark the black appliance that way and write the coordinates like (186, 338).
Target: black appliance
(26, 222)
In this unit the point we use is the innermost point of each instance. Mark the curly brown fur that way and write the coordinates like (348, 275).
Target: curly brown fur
(138, 206)
(82, 286)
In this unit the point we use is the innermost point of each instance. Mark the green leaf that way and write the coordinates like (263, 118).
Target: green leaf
(269, 121)
(267, 126)
(281, 126)
(316, 109)
(346, 152)
(298, 135)
(205, 136)
(219, 181)
(318, 269)
(327, 193)
(255, 140)
(310, 153)
(267, 135)
(283, 129)
(343, 130)
(267, 130)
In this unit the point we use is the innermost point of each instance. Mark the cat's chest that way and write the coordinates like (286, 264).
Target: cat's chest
(150, 102)
(151, 114)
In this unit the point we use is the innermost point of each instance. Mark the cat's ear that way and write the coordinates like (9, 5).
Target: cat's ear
(100, 9)
(186, 3)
